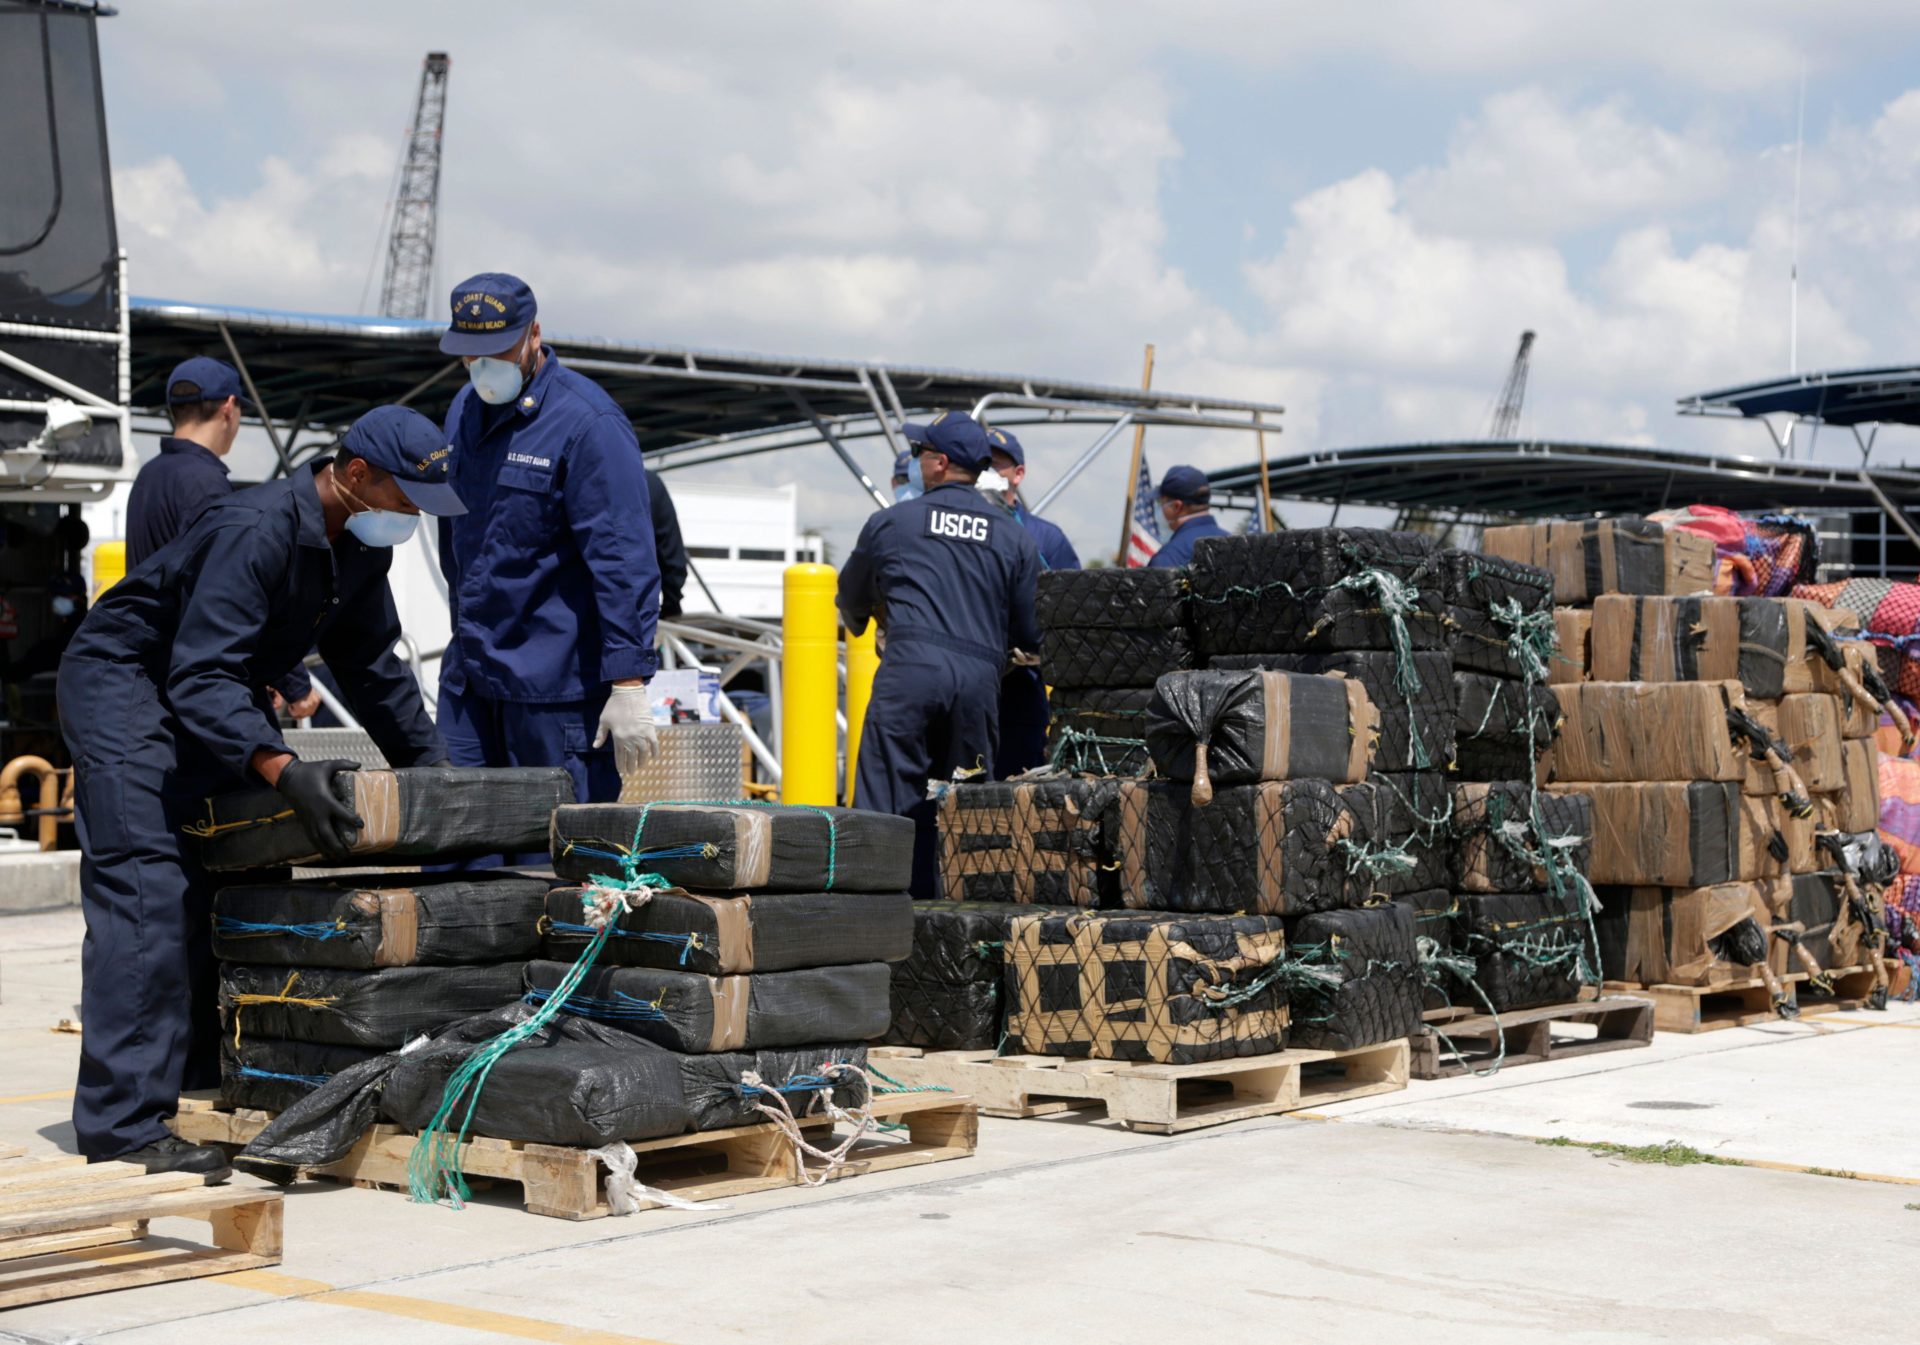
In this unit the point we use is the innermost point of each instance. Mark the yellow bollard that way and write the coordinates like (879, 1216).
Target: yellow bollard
(109, 565)
(809, 686)
(863, 661)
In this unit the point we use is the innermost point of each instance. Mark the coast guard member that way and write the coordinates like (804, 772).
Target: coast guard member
(552, 576)
(160, 706)
(1184, 499)
(1023, 693)
(951, 579)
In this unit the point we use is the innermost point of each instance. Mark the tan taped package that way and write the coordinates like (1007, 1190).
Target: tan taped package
(1681, 833)
(1855, 806)
(1859, 713)
(1669, 932)
(1810, 736)
(1694, 639)
(1608, 555)
(1572, 629)
(1637, 731)
(1805, 670)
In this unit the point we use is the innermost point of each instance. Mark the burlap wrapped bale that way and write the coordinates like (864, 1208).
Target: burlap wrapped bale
(1416, 719)
(385, 1008)
(1316, 591)
(1175, 989)
(1099, 730)
(269, 1075)
(1674, 936)
(1697, 639)
(1530, 948)
(1608, 555)
(737, 847)
(1401, 840)
(947, 994)
(1494, 610)
(1499, 722)
(421, 815)
(1372, 991)
(1024, 842)
(1237, 728)
(381, 920)
(1111, 599)
(1497, 846)
(1099, 656)
(687, 1012)
(1605, 732)
(740, 932)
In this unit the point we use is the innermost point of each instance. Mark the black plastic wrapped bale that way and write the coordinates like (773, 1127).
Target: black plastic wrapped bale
(421, 815)
(1499, 614)
(1278, 847)
(1499, 721)
(1416, 719)
(689, 1012)
(1401, 842)
(269, 1075)
(381, 920)
(1175, 989)
(1238, 728)
(1368, 989)
(384, 1008)
(1099, 730)
(947, 995)
(1530, 948)
(1022, 842)
(1806, 928)
(1498, 848)
(1111, 599)
(1099, 656)
(1316, 591)
(726, 935)
(1436, 916)
(737, 847)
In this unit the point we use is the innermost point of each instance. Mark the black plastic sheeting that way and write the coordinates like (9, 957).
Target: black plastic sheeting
(687, 1012)
(1474, 586)
(1099, 730)
(443, 813)
(385, 1008)
(270, 1075)
(1529, 948)
(381, 920)
(1425, 717)
(946, 996)
(1401, 825)
(1100, 656)
(1436, 917)
(1138, 599)
(1371, 950)
(1229, 713)
(713, 935)
(737, 847)
(1495, 837)
(1314, 591)
(1502, 715)
(1272, 848)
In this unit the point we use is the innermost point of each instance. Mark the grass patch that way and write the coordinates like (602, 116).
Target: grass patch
(1833, 1172)
(1672, 1154)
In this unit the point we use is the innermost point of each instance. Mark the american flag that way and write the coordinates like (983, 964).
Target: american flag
(1143, 531)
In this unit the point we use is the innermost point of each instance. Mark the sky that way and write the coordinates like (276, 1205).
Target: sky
(1349, 210)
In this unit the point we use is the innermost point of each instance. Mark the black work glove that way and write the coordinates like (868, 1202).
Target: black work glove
(330, 822)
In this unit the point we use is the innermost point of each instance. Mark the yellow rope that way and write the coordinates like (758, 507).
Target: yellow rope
(240, 1002)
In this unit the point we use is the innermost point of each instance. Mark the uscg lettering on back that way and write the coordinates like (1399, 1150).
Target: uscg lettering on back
(955, 525)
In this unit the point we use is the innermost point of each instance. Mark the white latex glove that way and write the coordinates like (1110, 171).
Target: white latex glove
(628, 720)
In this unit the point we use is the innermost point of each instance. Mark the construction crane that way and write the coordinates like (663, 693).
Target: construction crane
(1506, 412)
(416, 203)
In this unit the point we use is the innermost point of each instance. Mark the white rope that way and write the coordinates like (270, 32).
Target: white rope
(831, 1160)
(626, 1193)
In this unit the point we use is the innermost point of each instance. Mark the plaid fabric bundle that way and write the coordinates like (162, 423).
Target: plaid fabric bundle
(1762, 557)
(1889, 613)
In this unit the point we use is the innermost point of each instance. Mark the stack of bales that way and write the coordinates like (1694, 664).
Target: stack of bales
(1108, 635)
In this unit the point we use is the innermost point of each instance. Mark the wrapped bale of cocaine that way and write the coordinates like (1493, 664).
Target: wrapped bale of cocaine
(1436, 916)
(1237, 728)
(1530, 948)
(268, 1075)
(1685, 834)
(1806, 728)
(724, 935)
(736, 847)
(1500, 846)
(1573, 655)
(383, 1008)
(1275, 848)
(422, 814)
(685, 1011)
(1752, 641)
(1501, 726)
(1605, 732)
(1855, 806)
(1825, 922)
(1317, 590)
(948, 995)
(1099, 730)
(1707, 935)
(1608, 555)
(1111, 627)
(1412, 694)
(1402, 840)
(1174, 989)
(1364, 983)
(1026, 842)
(1499, 614)
(381, 920)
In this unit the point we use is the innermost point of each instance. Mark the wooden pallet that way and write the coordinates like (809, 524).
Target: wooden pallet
(1709, 1008)
(1457, 1042)
(566, 1183)
(58, 1213)
(1160, 1099)
(1852, 989)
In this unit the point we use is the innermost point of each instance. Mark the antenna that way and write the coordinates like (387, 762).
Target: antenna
(1793, 263)
(409, 278)
(1506, 412)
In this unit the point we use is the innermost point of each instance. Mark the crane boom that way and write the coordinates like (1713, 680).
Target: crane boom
(1506, 413)
(416, 205)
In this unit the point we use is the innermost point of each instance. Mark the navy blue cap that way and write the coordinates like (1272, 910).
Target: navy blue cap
(957, 435)
(914, 432)
(900, 463)
(400, 440)
(1187, 484)
(1002, 442)
(490, 312)
(204, 379)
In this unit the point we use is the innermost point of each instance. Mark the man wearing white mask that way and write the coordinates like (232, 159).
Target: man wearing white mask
(552, 579)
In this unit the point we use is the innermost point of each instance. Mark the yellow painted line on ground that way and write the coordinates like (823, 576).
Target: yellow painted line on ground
(37, 1097)
(426, 1310)
(1818, 1171)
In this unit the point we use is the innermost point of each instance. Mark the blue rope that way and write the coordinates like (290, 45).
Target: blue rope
(249, 929)
(687, 942)
(310, 1080)
(799, 1083)
(622, 1006)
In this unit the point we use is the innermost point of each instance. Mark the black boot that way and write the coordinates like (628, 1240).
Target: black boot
(174, 1154)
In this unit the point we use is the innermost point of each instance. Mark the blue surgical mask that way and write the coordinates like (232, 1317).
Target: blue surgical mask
(378, 527)
(905, 491)
(63, 606)
(497, 381)
(915, 481)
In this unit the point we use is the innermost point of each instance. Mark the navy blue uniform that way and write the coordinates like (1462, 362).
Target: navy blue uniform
(1179, 548)
(952, 579)
(160, 705)
(169, 494)
(667, 545)
(551, 574)
(1023, 692)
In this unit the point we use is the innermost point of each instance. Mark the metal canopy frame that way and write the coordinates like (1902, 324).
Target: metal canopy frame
(28, 474)
(1854, 398)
